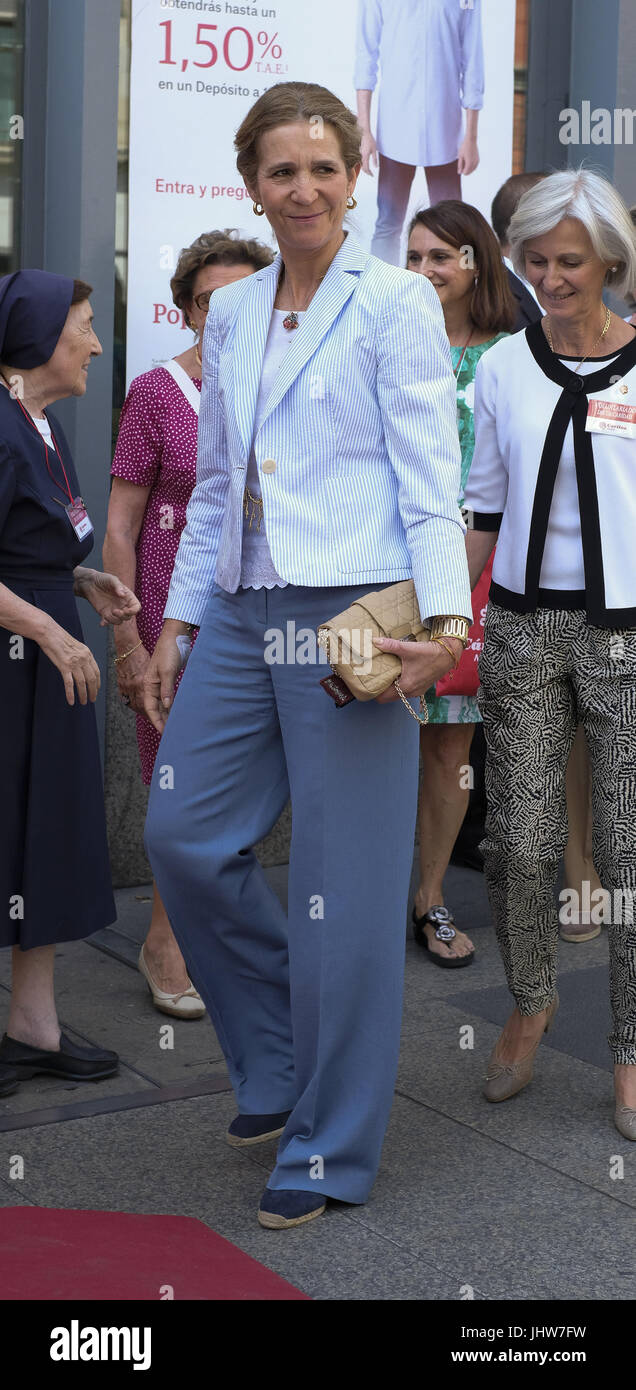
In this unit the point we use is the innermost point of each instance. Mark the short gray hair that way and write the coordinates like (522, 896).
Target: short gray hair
(593, 201)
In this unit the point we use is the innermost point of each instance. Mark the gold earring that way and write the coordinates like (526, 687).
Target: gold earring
(352, 202)
(258, 209)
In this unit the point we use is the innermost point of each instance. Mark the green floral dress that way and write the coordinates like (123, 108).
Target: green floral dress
(462, 709)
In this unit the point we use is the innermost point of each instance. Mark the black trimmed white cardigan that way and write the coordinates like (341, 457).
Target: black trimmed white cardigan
(525, 398)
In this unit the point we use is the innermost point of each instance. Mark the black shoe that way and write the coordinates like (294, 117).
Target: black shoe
(73, 1063)
(9, 1080)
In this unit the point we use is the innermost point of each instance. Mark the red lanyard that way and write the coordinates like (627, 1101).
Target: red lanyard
(46, 451)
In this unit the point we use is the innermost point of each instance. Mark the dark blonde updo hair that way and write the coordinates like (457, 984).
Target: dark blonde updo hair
(215, 248)
(285, 104)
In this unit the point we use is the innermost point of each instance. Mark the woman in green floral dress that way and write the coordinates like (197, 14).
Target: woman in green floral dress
(452, 244)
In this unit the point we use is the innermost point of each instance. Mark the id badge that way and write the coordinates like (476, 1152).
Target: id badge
(611, 417)
(79, 518)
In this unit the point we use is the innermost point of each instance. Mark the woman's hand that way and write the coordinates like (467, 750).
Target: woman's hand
(423, 663)
(161, 673)
(74, 661)
(130, 679)
(368, 151)
(114, 602)
(467, 155)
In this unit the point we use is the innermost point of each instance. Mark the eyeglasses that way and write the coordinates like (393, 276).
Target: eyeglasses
(202, 300)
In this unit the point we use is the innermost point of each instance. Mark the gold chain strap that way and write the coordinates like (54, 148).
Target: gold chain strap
(324, 640)
(423, 705)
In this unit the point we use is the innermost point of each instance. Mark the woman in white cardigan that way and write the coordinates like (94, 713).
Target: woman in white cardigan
(553, 481)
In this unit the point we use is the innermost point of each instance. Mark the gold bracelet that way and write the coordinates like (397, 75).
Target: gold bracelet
(125, 654)
(454, 659)
(451, 626)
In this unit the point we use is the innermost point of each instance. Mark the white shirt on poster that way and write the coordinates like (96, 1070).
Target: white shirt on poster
(430, 57)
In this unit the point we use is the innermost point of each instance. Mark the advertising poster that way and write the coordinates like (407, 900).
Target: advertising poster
(197, 67)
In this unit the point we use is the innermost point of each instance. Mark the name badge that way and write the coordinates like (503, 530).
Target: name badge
(79, 518)
(611, 417)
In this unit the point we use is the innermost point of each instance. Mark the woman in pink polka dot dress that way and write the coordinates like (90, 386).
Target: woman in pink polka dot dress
(154, 472)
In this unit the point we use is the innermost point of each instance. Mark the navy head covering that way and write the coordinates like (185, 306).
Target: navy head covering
(33, 309)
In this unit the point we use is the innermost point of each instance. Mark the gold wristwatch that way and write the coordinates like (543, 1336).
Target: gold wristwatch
(450, 627)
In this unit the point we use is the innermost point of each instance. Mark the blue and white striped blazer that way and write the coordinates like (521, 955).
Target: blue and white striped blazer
(360, 426)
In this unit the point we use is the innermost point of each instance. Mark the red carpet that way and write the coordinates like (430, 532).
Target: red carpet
(51, 1254)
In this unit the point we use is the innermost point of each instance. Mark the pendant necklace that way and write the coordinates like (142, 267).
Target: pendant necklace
(292, 320)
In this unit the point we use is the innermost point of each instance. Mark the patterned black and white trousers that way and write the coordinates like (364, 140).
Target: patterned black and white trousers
(541, 674)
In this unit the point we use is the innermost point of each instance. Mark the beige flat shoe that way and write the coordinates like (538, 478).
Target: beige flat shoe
(186, 1004)
(579, 931)
(505, 1079)
(625, 1121)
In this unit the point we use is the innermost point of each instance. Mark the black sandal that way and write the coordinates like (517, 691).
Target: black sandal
(440, 918)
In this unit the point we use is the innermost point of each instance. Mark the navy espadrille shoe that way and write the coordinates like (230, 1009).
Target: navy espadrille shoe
(256, 1129)
(288, 1208)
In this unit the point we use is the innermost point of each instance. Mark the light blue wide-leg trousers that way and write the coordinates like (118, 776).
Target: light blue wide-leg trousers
(306, 1005)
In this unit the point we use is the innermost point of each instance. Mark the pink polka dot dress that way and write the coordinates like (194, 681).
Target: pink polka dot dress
(156, 448)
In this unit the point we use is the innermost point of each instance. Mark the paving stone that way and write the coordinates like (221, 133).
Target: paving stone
(564, 1118)
(502, 1222)
(583, 1021)
(519, 1200)
(175, 1161)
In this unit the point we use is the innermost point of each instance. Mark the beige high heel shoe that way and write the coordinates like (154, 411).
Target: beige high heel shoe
(625, 1121)
(505, 1079)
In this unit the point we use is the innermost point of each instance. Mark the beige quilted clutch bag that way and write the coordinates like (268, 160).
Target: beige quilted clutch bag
(348, 640)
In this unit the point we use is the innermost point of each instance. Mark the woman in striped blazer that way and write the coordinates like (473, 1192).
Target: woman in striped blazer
(328, 465)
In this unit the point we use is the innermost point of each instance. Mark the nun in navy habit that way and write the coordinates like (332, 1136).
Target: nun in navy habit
(54, 870)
